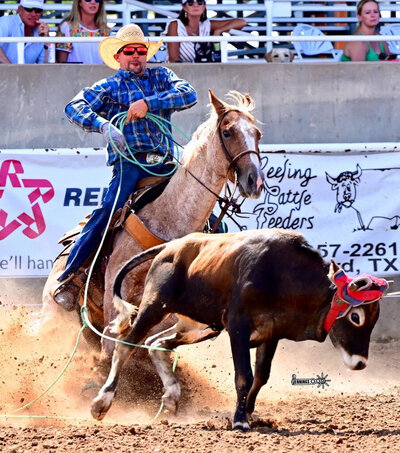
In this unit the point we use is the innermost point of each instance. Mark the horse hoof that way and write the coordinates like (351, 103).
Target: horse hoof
(170, 404)
(100, 407)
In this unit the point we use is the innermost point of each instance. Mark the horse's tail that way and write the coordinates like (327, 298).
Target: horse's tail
(127, 312)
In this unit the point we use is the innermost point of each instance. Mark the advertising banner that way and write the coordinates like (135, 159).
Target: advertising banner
(346, 205)
(43, 195)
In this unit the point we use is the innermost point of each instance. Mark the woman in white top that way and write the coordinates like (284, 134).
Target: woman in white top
(86, 18)
(192, 21)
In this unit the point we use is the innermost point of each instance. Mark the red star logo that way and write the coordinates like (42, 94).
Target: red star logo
(33, 223)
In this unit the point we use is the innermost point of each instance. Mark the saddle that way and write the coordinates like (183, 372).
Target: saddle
(148, 190)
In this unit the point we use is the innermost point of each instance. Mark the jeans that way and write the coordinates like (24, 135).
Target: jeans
(92, 232)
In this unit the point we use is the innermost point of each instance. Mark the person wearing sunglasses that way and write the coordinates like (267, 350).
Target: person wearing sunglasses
(87, 18)
(135, 89)
(192, 21)
(26, 23)
(369, 16)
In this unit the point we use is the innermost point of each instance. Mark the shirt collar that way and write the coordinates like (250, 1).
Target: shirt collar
(131, 75)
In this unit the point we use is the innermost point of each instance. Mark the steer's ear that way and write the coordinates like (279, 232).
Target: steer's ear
(333, 268)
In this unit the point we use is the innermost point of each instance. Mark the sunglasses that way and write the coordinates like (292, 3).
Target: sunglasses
(129, 51)
(37, 10)
(97, 1)
(192, 2)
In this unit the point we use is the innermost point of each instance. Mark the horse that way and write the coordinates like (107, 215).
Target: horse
(224, 147)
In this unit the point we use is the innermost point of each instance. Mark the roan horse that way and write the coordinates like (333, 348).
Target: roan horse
(223, 147)
(261, 286)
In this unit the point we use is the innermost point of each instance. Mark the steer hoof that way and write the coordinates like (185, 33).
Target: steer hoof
(241, 426)
(100, 407)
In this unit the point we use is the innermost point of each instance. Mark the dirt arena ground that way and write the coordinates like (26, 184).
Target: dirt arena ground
(358, 411)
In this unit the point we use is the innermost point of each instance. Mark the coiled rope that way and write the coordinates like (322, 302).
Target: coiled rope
(119, 121)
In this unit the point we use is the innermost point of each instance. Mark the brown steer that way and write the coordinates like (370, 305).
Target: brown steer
(262, 286)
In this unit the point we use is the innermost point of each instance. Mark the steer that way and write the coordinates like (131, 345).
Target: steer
(261, 286)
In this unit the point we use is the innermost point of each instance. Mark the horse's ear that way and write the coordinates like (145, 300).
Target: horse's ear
(249, 99)
(219, 106)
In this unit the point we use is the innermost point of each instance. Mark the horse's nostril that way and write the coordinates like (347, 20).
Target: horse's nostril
(250, 180)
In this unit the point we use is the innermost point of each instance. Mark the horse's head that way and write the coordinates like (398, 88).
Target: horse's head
(239, 138)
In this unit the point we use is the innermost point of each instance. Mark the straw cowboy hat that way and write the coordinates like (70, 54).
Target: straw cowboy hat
(129, 34)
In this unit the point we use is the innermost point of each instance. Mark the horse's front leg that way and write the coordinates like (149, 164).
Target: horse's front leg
(101, 404)
(185, 331)
(147, 318)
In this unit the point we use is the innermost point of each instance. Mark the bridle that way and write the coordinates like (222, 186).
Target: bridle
(225, 202)
(233, 160)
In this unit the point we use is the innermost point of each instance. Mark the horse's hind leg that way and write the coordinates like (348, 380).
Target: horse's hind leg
(152, 314)
(185, 331)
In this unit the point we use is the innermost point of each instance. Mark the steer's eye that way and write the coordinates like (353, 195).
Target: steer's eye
(356, 316)
(226, 133)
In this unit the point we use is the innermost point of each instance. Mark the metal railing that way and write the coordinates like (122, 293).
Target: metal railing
(271, 16)
(224, 40)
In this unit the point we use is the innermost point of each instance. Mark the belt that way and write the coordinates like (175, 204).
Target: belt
(152, 158)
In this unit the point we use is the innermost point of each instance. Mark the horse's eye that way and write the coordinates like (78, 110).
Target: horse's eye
(226, 133)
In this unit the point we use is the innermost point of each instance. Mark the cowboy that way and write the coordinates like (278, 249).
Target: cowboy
(26, 23)
(157, 90)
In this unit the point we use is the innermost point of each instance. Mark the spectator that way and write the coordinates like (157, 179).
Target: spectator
(157, 90)
(192, 21)
(368, 15)
(86, 18)
(26, 23)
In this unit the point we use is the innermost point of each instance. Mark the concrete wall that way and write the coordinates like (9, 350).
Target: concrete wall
(297, 103)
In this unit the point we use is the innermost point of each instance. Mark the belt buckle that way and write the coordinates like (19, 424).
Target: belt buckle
(153, 158)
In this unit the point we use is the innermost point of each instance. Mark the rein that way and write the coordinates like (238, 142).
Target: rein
(224, 202)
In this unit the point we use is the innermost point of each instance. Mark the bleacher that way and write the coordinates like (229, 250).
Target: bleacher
(264, 17)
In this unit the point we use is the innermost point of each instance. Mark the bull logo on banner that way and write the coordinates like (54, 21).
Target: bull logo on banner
(345, 186)
(32, 223)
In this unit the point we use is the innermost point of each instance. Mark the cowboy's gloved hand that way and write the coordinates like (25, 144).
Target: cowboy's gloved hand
(114, 135)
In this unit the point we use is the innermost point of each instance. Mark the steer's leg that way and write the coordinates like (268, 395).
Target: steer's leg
(185, 331)
(239, 333)
(264, 356)
(151, 315)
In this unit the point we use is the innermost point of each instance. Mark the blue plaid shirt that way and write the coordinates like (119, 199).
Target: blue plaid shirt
(160, 88)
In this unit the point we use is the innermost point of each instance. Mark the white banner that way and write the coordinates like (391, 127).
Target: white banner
(43, 195)
(347, 205)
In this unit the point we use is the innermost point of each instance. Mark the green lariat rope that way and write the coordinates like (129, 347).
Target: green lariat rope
(119, 119)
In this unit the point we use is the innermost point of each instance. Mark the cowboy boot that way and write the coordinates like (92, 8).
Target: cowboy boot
(67, 292)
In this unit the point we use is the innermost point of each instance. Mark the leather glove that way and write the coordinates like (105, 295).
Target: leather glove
(109, 132)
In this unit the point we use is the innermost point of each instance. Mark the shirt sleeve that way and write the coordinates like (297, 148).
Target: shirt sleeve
(64, 31)
(82, 109)
(175, 94)
(4, 27)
